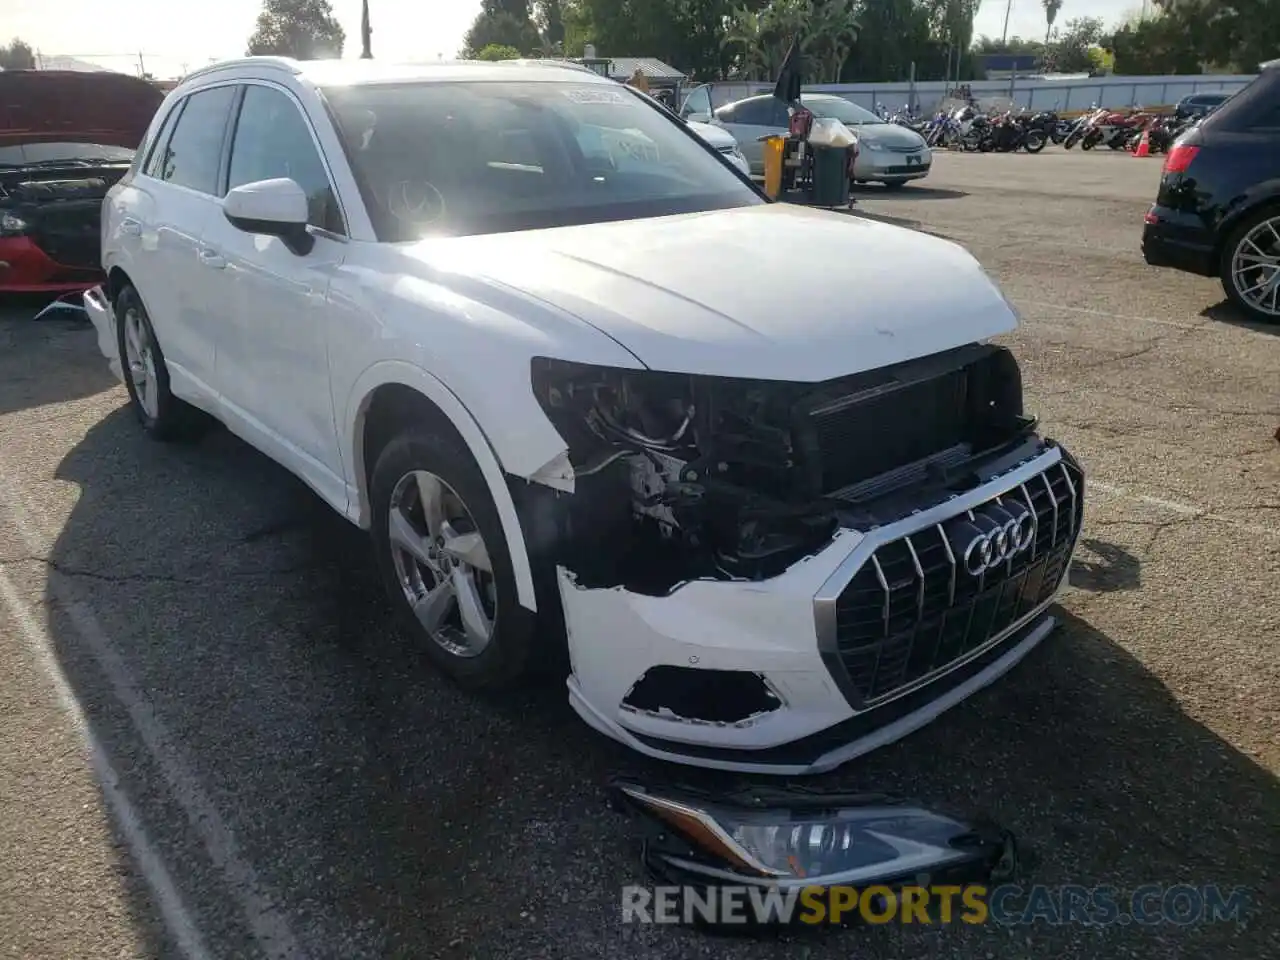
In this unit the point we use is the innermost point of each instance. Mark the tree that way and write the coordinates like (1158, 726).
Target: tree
(1051, 8)
(18, 55)
(1069, 53)
(303, 29)
(496, 51)
(505, 23)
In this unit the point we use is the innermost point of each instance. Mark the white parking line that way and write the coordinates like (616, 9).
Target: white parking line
(1111, 315)
(1185, 509)
(258, 906)
(174, 913)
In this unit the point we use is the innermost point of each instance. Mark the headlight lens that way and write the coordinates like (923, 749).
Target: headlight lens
(12, 225)
(805, 844)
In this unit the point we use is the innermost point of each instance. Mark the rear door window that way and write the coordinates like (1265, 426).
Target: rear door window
(192, 156)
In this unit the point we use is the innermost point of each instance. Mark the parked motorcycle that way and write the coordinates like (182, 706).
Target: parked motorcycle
(1081, 126)
(1010, 133)
(1113, 129)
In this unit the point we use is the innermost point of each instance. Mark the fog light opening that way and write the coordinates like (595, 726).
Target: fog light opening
(728, 697)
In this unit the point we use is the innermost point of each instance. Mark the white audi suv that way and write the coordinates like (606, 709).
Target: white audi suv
(593, 394)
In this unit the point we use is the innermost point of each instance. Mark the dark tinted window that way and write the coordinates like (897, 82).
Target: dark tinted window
(453, 158)
(162, 141)
(194, 152)
(764, 112)
(1252, 108)
(273, 139)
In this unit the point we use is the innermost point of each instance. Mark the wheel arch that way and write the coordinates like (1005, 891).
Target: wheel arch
(393, 391)
(1263, 196)
(117, 280)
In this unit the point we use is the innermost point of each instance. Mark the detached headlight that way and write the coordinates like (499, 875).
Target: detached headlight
(12, 225)
(797, 839)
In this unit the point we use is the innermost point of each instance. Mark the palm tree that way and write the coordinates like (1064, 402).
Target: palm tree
(1051, 8)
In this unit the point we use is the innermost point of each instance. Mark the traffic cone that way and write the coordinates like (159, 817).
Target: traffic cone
(1144, 146)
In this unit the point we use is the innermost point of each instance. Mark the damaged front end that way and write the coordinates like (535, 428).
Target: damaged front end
(806, 857)
(50, 223)
(722, 478)
(776, 576)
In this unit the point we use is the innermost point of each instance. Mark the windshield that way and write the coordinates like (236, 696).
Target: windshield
(838, 108)
(444, 158)
(49, 153)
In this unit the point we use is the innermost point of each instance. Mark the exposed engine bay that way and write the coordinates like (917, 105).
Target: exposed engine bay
(681, 477)
(60, 208)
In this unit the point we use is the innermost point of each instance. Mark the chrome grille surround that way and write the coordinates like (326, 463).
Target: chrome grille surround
(901, 612)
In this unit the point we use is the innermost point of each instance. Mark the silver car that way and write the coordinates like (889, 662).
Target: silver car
(887, 153)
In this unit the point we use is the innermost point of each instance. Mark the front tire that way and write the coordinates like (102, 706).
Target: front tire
(1035, 142)
(1250, 268)
(443, 558)
(162, 415)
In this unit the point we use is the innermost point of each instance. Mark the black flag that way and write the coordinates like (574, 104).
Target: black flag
(790, 76)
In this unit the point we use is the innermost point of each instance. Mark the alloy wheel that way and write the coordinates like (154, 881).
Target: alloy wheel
(140, 361)
(442, 564)
(1255, 267)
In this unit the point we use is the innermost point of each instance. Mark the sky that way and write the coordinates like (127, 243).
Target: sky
(171, 43)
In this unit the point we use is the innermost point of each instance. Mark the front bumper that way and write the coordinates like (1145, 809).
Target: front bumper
(787, 633)
(1178, 241)
(103, 318)
(889, 167)
(25, 268)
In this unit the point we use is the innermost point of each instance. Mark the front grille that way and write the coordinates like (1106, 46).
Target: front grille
(912, 608)
(907, 168)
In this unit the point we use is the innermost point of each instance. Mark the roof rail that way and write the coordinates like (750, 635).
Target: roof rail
(551, 62)
(287, 64)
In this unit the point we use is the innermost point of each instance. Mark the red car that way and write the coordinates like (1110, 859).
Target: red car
(65, 138)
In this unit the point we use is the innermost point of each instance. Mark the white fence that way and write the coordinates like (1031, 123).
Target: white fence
(1030, 92)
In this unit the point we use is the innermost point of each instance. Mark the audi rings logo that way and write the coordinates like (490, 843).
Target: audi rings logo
(993, 534)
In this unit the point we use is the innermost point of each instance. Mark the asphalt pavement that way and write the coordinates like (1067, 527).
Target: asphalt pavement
(212, 744)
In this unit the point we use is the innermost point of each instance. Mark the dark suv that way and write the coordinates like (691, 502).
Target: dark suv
(1199, 104)
(1218, 209)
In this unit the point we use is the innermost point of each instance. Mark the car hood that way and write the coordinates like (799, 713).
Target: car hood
(773, 291)
(886, 135)
(72, 106)
(716, 136)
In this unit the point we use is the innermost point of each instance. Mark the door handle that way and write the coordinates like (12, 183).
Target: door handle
(131, 227)
(210, 258)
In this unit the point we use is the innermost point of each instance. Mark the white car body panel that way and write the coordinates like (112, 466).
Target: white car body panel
(288, 350)
(687, 310)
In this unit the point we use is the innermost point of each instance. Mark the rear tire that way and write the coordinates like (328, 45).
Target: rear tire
(1035, 141)
(146, 376)
(478, 634)
(1252, 240)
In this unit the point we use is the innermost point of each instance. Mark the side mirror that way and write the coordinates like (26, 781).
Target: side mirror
(277, 208)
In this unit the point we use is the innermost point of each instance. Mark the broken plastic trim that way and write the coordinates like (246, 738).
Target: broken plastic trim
(66, 306)
(791, 838)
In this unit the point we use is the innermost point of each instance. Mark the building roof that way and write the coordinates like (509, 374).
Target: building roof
(623, 68)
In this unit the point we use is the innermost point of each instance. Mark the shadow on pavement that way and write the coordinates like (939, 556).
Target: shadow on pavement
(911, 191)
(1102, 567)
(1228, 313)
(394, 816)
(60, 338)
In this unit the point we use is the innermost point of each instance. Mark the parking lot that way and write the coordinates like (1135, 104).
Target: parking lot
(270, 773)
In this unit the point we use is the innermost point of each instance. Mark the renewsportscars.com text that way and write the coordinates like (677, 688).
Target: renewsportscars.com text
(1006, 905)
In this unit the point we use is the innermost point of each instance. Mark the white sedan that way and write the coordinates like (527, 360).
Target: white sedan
(557, 359)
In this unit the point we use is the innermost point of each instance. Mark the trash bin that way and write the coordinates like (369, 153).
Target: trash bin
(830, 176)
(774, 149)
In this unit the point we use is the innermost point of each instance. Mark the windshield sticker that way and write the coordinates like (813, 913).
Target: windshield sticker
(603, 95)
